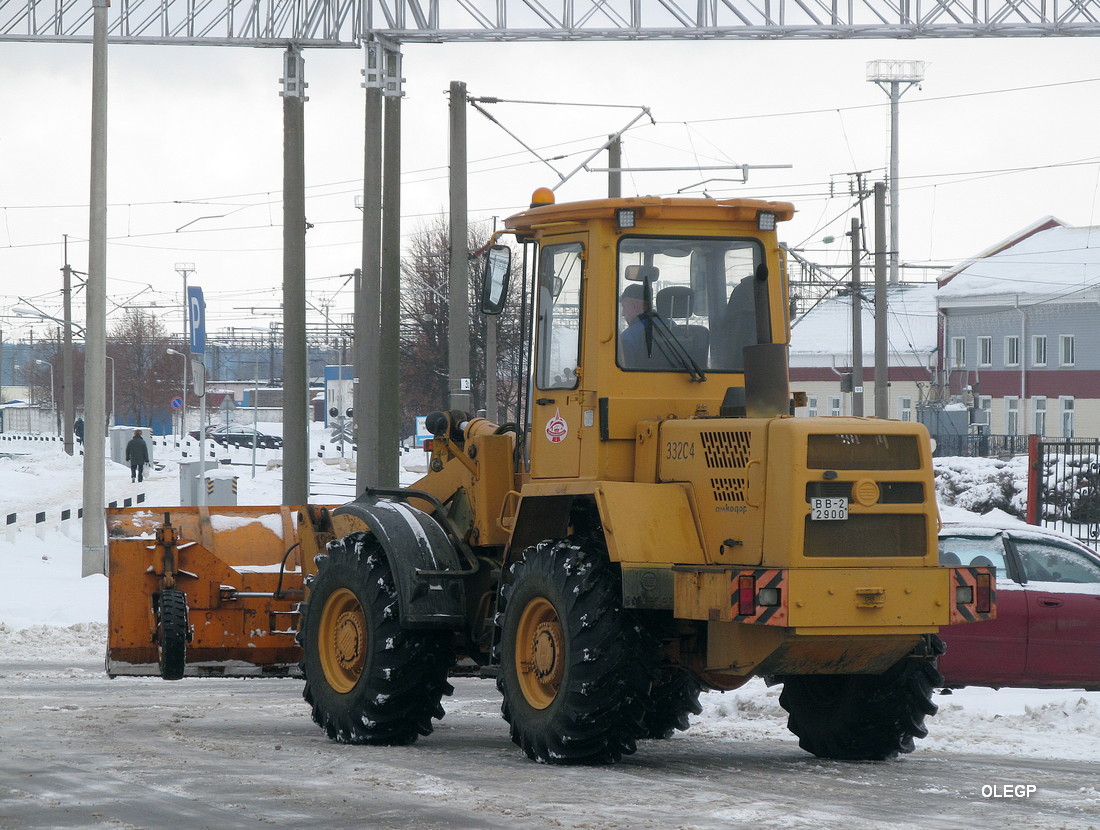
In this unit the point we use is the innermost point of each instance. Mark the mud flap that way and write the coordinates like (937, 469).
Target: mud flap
(420, 556)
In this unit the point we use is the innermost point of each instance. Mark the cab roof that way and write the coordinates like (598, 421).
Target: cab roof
(650, 208)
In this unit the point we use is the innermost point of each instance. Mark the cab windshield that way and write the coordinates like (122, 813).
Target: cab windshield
(686, 304)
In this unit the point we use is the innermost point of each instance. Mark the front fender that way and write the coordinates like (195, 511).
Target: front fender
(414, 542)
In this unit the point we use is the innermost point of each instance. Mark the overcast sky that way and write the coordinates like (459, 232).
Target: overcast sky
(1001, 132)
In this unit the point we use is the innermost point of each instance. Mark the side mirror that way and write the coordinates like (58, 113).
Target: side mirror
(494, 288)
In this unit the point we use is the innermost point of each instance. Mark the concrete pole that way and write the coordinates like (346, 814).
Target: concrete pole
(203, 497)
(367, 304)
(615, 163)
(857, 326)
(67, 355)
(458, 313)
(93, 532)
(895, 97)
(882, 357)
(186, 363)
(295, 370)
(389, 404)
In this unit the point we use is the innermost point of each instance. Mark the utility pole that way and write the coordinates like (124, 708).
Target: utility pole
(185, 269)
(895, 78)
(93, 536)
(67, 352)
(367, 356)
(614, 167)
(857, 325)
(295, 369)
(458, 312)
(389, 404)
(882, 363)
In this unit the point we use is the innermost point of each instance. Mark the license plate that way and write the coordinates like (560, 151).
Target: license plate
(826, 510)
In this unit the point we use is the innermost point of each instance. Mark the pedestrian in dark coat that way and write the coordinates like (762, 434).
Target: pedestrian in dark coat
(137, 453)
(78, 430)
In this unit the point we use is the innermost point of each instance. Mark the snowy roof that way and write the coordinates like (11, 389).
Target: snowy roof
(826, 330)
(1047, 259)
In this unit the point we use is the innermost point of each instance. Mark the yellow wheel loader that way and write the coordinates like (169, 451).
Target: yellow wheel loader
(655, 522)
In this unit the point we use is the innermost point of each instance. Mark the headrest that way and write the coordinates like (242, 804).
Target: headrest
(675, 301)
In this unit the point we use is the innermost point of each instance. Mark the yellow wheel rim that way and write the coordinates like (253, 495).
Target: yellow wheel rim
(540, 653)
(342, 640)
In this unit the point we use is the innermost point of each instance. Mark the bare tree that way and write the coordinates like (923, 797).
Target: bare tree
(146, 377)
(425, 305)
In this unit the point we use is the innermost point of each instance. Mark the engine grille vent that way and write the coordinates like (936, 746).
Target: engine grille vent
(726, 450)
(728, 489)
(828, 489)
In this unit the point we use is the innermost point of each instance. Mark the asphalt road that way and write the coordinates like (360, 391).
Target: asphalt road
(78, 750)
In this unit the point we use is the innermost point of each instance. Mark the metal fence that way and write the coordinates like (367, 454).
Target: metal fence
(979, 446)
(1066, 487)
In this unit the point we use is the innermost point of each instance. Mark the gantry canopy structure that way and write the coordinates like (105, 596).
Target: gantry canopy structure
(348, 23)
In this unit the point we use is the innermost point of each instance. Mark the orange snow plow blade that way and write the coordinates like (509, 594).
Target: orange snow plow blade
(236, 577)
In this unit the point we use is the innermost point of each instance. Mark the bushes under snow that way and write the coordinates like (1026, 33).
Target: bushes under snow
(983, 484)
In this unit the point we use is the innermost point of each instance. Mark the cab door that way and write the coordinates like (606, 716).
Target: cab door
(556, 395)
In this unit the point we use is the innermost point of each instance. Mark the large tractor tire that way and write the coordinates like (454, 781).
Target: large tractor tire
(368, 680)
(674, 696)
(862, 717)
(573, 671)
(172, 633)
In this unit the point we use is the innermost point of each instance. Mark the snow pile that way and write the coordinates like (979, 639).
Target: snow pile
(1036, 723)
(979, 485)
(750, 713)
(41, 582)
(50, 643)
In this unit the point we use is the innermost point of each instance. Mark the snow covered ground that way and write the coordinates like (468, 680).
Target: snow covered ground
(48, 613)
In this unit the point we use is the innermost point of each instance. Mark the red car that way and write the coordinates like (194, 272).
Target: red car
(1047, 630)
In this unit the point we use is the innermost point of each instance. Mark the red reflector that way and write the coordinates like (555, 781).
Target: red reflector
(746, 595)
(983, 596)
(427, 445)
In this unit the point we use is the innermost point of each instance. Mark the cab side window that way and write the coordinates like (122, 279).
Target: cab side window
(559, 316)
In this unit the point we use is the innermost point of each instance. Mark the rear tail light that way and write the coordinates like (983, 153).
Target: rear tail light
(427, 445)
(746, 595)
(983, 599)
(964, 594)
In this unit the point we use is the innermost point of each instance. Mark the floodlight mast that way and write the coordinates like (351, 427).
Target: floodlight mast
(895, 78)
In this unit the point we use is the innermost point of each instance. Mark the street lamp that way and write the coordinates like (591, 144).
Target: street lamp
(53, 397)
(183, 405)
(24, 311)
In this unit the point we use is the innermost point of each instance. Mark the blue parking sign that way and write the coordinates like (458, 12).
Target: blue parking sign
(196, 312)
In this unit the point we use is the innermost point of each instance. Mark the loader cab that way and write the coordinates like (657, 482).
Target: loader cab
(642, 309)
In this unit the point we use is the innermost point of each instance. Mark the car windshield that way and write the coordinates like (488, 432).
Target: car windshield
(686, 304)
